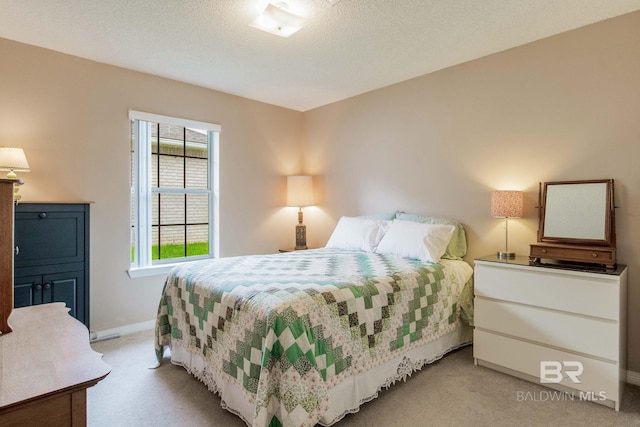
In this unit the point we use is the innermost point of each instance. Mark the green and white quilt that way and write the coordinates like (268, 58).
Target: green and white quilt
(287, 328)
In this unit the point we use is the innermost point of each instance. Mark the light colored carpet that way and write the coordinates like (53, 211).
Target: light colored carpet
(450, 392)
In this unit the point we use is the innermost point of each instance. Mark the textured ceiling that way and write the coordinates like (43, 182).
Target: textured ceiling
(347, 47)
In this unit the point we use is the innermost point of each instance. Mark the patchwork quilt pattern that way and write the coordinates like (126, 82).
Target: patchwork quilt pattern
(288, 327)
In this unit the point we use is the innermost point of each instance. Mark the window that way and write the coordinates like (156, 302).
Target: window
(173, 191)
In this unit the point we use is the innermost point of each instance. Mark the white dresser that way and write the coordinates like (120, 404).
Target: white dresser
(561, 328)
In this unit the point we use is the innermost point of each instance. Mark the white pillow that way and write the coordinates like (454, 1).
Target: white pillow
(408, 239)
(358, 234)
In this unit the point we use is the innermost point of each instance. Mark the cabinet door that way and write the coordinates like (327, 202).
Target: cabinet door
(27, 291)
(60, 287)
(48, 238)
(67, 288)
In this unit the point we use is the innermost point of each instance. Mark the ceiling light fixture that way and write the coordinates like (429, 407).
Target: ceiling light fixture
(277, 20)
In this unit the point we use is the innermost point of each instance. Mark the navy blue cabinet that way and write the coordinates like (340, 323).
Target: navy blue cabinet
(52, 256)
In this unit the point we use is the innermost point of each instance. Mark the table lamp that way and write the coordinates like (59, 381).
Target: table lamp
(300, 194)
(506, 204)
(12, 159)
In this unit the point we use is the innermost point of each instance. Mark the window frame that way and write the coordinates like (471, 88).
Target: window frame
(142, 192)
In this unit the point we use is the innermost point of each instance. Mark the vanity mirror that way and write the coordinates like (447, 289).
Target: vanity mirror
(576, 222)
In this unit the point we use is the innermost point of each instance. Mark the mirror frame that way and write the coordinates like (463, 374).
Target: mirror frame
(609, 219)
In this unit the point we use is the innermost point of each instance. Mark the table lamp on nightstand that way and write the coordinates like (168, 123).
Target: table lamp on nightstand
(506, 204)
(12, 159)
(299, 195)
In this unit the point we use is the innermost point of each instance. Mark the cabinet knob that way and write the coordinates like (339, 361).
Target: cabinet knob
(544, 251)
(38, 287)
(47, 286)
(17, 250)
(43, 215)
(595, 255)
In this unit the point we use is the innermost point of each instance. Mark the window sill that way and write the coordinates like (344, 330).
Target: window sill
(155, 270)
(162, 269)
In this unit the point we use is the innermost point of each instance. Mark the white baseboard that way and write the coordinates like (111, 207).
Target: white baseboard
(122, 330)
(633, 378)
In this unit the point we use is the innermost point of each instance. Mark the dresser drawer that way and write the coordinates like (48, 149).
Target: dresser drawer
(586, 335)
(524, 357)
(589, 294)
(590, 254)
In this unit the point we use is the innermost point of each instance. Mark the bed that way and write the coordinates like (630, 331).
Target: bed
(305, 337)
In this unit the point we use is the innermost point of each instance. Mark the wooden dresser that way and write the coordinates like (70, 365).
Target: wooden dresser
(562, 328)
(6, 253)
(46, 362)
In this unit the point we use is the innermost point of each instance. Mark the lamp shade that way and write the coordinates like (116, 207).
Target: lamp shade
(507, 204)
(13, 159)
(299, 191)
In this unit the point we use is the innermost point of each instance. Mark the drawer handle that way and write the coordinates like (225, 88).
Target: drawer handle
(42, 215)
(544, 251)
(595, 255)
(17, 250)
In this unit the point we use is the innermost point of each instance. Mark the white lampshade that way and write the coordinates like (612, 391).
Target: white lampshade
(12, 159)
(507, 204)
(299, 191)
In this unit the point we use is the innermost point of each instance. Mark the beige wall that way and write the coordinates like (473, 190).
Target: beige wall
(71, 117)
(563, 108)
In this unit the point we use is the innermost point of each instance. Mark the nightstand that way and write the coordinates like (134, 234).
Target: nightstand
(559, 327)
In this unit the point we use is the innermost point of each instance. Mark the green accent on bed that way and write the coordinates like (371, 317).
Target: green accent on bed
(301, 320)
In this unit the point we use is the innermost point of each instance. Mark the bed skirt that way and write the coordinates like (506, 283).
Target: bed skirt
(347, 396)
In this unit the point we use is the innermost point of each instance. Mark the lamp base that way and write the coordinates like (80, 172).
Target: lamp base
(16, 188)
(301, 237)
(506, 255)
